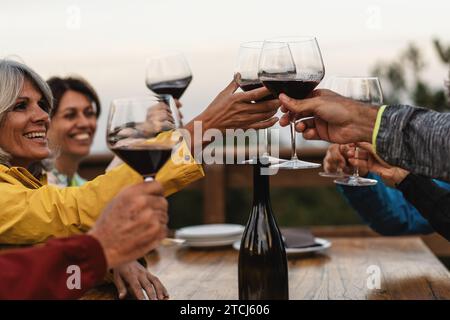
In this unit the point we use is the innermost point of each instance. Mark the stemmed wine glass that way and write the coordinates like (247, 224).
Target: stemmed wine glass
(142, 132)
(247, 71)
(168, 73)
(293, 66)
(367, 90)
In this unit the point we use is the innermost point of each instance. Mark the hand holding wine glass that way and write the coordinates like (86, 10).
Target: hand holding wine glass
(335, 162)
(247, 65)
(337, 119)
(292, 66)
(247, 77)
(367, 160)
(141, 131)
(366, 90)
(238, 110)
(342, 86)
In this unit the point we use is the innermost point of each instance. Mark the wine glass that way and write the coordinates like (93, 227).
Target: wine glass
(168, 73)
(367, 90)
(293, 66)
(247, 68)
(142, 132)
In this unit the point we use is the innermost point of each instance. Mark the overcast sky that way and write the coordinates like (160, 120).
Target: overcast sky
(107, 42)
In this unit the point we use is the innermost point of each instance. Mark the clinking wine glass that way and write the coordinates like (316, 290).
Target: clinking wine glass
(367, 90)
(168, 73)
(142, 132)
(247, 78)
(293, 66)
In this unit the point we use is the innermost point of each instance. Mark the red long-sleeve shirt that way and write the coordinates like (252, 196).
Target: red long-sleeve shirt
(50, 271)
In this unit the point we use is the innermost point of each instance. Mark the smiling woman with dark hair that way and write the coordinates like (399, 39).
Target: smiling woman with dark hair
(71, 134)
(72, 128)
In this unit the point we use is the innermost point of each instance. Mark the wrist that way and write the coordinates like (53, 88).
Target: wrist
(196, 128)
(365, 121)
(110, 254)
(205, 118)
(400, 175)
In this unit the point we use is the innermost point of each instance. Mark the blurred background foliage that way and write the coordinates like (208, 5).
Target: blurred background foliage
(403, 82)
(402, 78)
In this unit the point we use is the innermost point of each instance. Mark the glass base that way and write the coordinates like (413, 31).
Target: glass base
(265, 160)
(333, 174)
(296, 164)
(354, 181)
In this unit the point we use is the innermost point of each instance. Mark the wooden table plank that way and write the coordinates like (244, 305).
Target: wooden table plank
(408, 271)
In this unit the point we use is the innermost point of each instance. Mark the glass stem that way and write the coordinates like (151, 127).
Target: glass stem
(266, 142)
(262, 143)
(294, 149)
(356, 169)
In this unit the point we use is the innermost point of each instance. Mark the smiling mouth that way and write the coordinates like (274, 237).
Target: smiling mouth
(81, 136)
(38, 135)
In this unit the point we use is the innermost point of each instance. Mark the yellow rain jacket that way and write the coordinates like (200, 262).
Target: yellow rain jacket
(32, 211)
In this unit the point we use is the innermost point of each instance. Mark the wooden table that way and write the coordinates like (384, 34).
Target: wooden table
(408, 270)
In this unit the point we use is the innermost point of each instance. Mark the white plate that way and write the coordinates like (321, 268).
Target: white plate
(213, 239)
(323, 244)
(212, 243)
(210, 232)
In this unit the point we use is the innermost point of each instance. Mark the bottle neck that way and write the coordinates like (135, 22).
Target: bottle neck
(261, 192)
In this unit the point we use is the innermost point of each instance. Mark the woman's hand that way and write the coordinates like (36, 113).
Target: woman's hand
(232, 110)
(140, 282)
(236, 110)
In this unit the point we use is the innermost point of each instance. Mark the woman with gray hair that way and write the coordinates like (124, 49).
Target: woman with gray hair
(12, 79)
(33, 211)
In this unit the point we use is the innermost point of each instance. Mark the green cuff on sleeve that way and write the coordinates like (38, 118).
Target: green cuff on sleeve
(377, 127)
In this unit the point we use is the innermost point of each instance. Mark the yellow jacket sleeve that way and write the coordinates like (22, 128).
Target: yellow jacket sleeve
(32, 212)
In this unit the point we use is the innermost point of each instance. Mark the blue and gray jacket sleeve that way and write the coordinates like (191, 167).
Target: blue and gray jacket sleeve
(386, 210)
(415, 139)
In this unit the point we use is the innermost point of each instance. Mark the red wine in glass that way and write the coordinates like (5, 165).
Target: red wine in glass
(246, 74)
(292, 66)
(140, 133)
(175, 87)
(248, 85)
(297, 89)
(145, 160)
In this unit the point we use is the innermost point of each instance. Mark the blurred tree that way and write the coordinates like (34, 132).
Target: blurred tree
(402, 78)
(444, 54)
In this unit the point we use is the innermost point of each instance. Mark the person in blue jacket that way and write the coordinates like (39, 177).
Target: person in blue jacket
(381, 206)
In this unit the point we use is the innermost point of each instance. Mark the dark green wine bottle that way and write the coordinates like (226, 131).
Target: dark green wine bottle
(263, 270)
